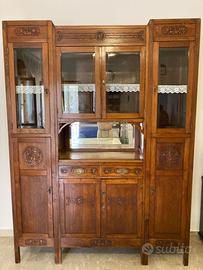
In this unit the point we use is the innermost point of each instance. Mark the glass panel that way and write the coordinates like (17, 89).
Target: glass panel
(29, 88)
(122, 82)
(172, 88)
(78, 82)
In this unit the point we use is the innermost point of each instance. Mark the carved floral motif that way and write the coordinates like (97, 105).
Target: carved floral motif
(33, 156)
(169, 156)
(101, 243)
(27, 31)
(101, 36)
(80, 200)
(174, 30)
(36, 242)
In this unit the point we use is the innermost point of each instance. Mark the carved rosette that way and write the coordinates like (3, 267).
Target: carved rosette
(27, 31)
(33, 156)
(174, 30)
(170, 156)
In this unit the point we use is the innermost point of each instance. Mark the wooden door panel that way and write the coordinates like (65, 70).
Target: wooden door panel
(122, 208)
(33, 186)
(167, 206)
(34, 204)
(80, 207)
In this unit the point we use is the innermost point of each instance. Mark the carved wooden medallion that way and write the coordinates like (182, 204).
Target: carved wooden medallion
(33, 156)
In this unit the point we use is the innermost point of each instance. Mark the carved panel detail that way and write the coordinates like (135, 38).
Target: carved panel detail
(169, 156)
(33, 156)
(101, 243)
(100, 36)
(174, 30)
(80, 200)
(27, 31)
(36, 242)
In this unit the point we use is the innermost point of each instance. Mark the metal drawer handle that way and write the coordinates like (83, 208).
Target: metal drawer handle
(108, 170)
(122, 171)
(78, 171)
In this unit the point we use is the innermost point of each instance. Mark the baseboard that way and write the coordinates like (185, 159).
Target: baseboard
(5, 233)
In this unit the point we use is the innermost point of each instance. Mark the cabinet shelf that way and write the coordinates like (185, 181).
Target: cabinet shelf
(104, 156)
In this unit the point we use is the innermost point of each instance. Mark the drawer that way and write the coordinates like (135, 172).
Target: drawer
(78, 171)
(121, 170)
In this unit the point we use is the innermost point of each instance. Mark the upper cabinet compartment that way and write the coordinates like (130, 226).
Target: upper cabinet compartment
(172, 87)
(174, 73)
(29, 88)
(26, 58)
(78, 82)
(123, 82)
(96, 80)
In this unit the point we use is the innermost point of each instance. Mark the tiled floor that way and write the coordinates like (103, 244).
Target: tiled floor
(96, 259)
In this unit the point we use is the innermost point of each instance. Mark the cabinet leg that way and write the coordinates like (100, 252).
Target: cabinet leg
(144, 258)
(185, 258)
(58, 256)
(17, 254)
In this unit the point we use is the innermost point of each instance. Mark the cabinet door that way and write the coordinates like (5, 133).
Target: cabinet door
(29, 87)
(173, 78)
(123, 81)
(78, 82)
(168, 188)
(33, 187)
(122, 208)
(80, 207)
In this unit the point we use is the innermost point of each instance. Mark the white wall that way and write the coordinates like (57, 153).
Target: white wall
(96, 12)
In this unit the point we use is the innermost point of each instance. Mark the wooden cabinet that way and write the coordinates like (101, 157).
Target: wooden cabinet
(80, 208)
(122, 208)
(101, 131)
(33, 191)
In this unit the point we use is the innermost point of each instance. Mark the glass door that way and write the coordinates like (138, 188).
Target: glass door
(29, 81)
(78, 82)
(173, 75)
(123, 82)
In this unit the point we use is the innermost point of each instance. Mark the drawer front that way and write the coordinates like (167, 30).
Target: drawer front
(78, 171)
(117, 171)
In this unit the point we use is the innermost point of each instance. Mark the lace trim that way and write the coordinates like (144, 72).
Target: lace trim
(122, 87)
(30, 89)
(79, 87)
(172, 89)
(109, 87)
